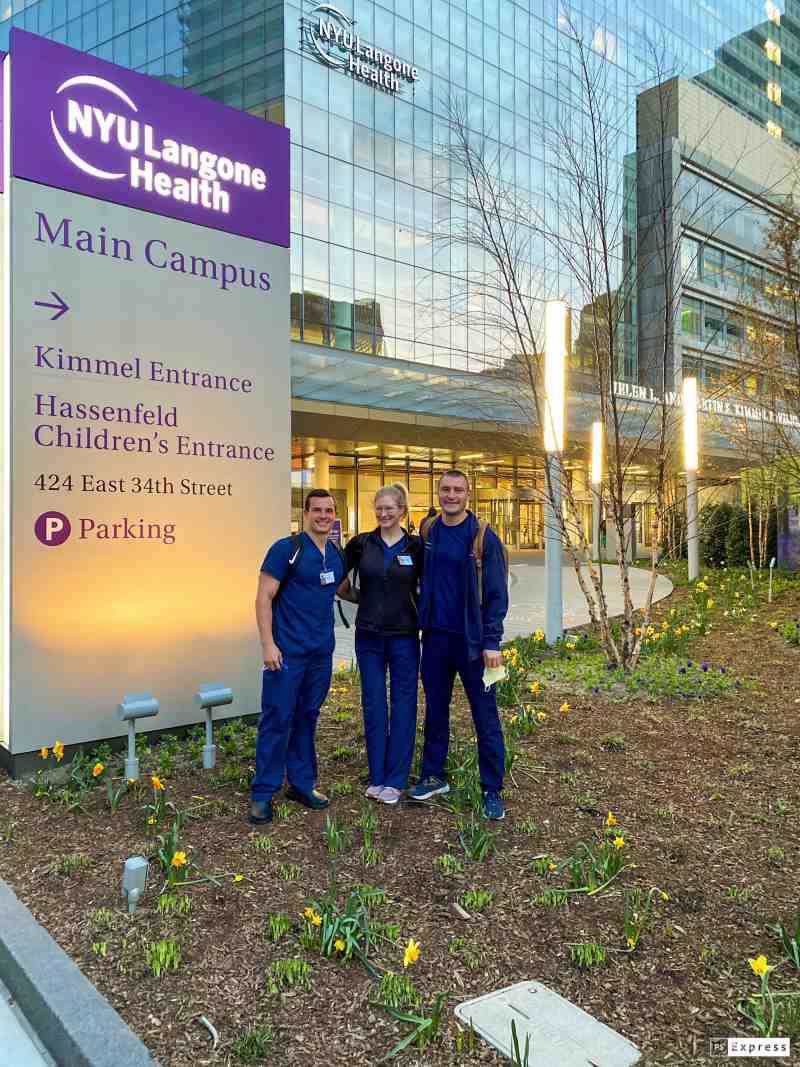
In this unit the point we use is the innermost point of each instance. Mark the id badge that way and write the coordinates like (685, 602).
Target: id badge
(405, 561)
(326, 577)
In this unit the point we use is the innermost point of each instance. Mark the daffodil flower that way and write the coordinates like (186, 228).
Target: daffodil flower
(58, 750)
(759, 966)
(158, 785)
(178, 860)
(97, 770)
(44, 753)
(238, 878)
(339, 945)
(564, 709)
(411, 954)
(619, 841)
(611, 820)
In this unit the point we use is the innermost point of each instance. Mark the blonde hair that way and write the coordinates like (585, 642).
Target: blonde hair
(399, 494)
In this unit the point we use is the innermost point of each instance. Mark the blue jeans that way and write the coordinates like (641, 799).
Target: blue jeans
(290, 703)
(390, 739)
(443, 656)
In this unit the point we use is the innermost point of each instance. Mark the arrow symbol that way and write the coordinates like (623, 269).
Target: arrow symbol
(61, 307)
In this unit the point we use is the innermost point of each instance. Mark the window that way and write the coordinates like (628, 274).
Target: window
(690, 258)
(713, 324)
(774, 92)
(690, 317)
(712, 266)
(773, 51)
(773, 12)
(774, 130)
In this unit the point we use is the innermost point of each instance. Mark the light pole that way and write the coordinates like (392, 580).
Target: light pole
(597, 478)
(555, 353)
(690, 459)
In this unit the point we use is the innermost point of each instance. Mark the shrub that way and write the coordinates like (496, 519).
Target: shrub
(714, 522)
(737, 540)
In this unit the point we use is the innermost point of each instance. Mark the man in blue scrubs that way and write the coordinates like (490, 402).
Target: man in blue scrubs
(294, 610)
(461, 619)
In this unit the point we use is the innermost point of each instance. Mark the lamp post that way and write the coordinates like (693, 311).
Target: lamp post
(690, 459)
(597, 478)
(555, 354)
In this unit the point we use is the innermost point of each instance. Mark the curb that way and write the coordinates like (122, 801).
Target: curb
(77, 1026)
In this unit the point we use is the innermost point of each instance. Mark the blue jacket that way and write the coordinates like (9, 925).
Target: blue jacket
(483, 623)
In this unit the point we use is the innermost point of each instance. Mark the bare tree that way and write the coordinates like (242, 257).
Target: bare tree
(605, 237)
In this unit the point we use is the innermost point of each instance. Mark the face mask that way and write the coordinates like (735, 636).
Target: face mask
(492, 675)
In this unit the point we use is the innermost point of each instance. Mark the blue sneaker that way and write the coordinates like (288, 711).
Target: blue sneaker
(493, 806)
(427, 788)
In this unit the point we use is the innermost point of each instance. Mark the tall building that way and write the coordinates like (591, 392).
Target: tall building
(388, 380)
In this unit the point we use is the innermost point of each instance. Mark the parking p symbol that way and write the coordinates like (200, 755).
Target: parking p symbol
(52, 528)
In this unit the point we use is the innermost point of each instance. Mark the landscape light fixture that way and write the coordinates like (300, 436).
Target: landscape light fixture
(597, 478)
(209, 696)
(134, 880)
(555, 360)
(691, 463)
(135, 706)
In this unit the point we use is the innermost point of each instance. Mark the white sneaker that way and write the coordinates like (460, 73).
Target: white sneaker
(373, 792)
(390, 795)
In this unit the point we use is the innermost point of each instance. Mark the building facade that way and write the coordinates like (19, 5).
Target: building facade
(393, 360)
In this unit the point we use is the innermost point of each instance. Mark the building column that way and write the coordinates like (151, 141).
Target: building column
(322, 469)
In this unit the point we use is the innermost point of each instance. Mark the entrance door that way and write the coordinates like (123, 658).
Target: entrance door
(531, 525)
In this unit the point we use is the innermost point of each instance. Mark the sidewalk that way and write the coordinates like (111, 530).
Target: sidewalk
(526, 613)
(19, 1046)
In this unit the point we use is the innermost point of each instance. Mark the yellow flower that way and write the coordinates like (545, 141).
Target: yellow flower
(701, 587)
(313, 918)
(178, 860)
(664, 896)
(759, 965)
(541, 715)
(638, 631)
(151, 821)
(158, 785)
(564, 709)
(611, 820)
(552, 866)
(710, 603)
(535, 687)
(97, 770)
(538, 635)
(772, 625)
(631, 942)
(58, 750)
(411, 954)
(339, 945)
(619, 841)
(238, 878)
(506, 653)
(44, 752)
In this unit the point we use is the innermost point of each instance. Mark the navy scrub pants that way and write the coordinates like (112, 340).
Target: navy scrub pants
(290, 703)
(389, 738)
(443, 656)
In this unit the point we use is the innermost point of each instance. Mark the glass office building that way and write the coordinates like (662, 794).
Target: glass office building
(383, 368)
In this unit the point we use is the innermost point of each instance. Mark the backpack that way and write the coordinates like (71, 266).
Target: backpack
(477, 547)
(296, 549)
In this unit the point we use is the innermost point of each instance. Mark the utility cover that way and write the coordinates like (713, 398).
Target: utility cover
(560, 1032)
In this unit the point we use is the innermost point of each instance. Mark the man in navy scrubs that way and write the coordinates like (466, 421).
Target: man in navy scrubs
(461, 618)
(294, 610)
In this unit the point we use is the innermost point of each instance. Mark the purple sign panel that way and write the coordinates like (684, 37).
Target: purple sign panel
(82, 124)
(2, 120)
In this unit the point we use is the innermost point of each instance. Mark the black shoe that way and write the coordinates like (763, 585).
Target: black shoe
(314, 800)
(260, 812)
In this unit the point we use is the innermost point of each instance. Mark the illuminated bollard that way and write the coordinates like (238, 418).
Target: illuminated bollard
(135, 706)
(209, 696)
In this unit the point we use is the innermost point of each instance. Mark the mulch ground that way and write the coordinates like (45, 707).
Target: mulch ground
(702, 791)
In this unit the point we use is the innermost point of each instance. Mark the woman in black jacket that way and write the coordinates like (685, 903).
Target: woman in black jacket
(386, 566)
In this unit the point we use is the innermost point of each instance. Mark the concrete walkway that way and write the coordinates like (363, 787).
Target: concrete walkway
(526, 613)
(18, 1043)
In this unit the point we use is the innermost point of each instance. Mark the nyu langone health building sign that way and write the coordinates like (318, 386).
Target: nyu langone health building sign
(145, 420)
(331, 37)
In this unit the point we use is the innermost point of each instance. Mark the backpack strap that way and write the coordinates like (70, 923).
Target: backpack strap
(477, 553)
(425, 527)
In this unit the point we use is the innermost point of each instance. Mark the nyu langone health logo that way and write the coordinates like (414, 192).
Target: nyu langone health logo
(330, 35)
(113, 143)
